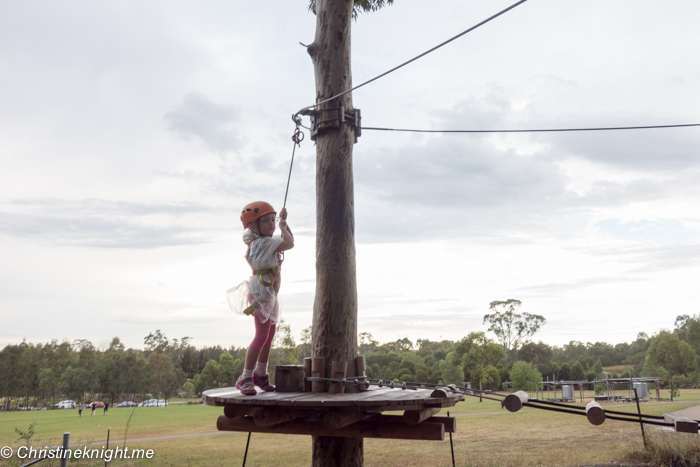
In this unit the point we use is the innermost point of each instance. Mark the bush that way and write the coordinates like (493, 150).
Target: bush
(666, 448)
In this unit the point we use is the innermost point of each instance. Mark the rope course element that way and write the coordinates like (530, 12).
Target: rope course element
(549, 130)
(414, 58)
(297, 138)
(533, 403)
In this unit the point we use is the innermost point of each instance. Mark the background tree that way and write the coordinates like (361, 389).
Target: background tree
(672, 354)
(366, 343)
(598, 369)
(564, 372)
(48, 383)
(538, 353)
(452, 370)
(476, 352)
(525, 376)
(510, 327)
(577, 372)
(163, 377)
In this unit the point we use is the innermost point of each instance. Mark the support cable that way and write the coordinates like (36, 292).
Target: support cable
(615, 412)
(416, 57)
(534, 403)
(548, 130)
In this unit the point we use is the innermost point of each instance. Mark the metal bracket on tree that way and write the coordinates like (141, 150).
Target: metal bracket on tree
(329, 118)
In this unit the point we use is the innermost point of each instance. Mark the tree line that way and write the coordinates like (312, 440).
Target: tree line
(40, 374)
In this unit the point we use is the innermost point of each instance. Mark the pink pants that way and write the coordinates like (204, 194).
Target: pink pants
(264, 333)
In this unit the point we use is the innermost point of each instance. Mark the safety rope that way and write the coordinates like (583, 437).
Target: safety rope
(297, 138)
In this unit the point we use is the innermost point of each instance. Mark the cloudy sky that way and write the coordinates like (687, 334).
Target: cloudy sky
(131, 134)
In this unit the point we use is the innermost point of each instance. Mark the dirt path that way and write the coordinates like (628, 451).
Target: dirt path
(690, 412)
(160, 438)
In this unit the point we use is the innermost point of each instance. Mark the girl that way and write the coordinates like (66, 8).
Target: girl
(258, 295)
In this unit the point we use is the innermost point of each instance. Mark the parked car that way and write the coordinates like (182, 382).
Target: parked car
(126, 404)
(67, 404)
(154, 403)
(96, 404)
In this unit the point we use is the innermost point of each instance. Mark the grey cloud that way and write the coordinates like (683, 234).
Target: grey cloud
(103, 224)
(651, 258)
(548, 290)
(198, 117)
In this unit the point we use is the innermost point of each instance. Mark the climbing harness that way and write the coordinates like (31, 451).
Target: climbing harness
(270, 272)
(267, 277)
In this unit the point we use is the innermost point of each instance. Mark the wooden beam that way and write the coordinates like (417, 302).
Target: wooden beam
(414, 417)
(273, 416)
(682, 424)
(362, 429)
(336, 419)
(450, 423)
(515, 401)
(235, 411)
(595, 413)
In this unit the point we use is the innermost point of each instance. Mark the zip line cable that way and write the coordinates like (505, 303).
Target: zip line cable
(532, 131)
(414, 58)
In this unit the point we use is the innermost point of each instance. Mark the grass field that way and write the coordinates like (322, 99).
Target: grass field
(486, 435)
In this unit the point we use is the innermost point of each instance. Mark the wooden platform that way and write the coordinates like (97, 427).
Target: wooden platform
(357, 415)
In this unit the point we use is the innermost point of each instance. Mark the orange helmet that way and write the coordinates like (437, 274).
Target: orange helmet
(254, 211)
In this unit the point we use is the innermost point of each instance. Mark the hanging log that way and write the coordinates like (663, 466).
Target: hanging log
(595, 413)
(232, 411)
(336, 419)
(414, 417)
(515, 401)
(682, 424)
(273, 416)
(362, 429)
(441, 392)
(318, 370)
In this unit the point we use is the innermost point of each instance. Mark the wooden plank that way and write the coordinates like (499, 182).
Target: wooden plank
(414, 417)
(682, 424)
(362, 429)
(235, 411)
(336, 419)
(272, 416)
(449, 422)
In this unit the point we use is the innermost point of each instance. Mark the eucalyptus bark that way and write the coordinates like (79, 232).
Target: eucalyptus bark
(335, 303)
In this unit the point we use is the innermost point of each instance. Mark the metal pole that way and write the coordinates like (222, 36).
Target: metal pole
(108, 430)
(245, 456)
(641, 424)
(66, 445)
(451, 446)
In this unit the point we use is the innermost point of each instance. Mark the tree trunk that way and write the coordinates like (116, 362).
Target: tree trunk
(335, 304)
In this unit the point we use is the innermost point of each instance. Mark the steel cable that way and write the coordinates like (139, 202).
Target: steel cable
(416, 57)
(549, 130)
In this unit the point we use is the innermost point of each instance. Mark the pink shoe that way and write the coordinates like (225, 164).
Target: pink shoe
(263, 382)
(245, 385)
